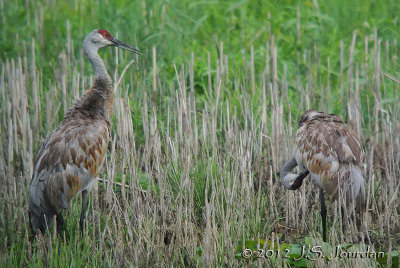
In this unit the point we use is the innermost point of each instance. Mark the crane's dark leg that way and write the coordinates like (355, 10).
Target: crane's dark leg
(85, 202)
(60, 223)
(323, 213)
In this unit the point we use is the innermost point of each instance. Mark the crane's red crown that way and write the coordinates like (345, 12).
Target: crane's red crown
(105, 34)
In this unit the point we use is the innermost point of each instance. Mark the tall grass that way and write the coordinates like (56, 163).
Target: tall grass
(192, 171)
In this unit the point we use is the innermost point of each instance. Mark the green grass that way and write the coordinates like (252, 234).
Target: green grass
(200, 27)
(200, 155)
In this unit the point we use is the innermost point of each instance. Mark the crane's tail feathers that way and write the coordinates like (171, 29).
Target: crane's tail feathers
(39, 223)
(40, 216)
(353, 190)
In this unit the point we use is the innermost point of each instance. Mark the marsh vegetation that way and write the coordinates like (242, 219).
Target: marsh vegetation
(202, 124)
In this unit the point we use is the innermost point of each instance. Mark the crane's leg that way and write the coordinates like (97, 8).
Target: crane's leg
(60, 223)
(323, 213)
(85, 202)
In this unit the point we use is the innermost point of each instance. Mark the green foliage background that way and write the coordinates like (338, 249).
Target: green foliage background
(177, 28)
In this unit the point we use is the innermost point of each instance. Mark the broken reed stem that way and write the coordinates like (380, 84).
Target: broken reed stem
(391, 77)
(123, 73)
(120, 184)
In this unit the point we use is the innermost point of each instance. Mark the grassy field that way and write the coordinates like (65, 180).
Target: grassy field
(202, 124)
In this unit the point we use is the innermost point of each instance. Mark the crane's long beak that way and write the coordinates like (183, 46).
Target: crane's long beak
(125, 46)
(299, 180)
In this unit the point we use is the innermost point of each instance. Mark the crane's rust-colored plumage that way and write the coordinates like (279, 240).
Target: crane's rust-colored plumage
(329, 150)
(72, 156)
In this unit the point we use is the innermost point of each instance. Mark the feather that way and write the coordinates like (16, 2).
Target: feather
(333, 154)
(70, 157)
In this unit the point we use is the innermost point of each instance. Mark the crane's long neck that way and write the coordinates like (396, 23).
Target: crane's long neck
(99, 99)
(100, 71)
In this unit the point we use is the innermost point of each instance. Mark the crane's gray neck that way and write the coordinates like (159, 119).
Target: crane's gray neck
(100, 71)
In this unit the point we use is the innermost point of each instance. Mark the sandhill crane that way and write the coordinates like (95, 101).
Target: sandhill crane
(71, 157)
(332, 153)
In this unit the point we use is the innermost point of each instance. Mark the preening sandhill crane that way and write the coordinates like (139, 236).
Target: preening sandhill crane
(331, 152)
(72, 156)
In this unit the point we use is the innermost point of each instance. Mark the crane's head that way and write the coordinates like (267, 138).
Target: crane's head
(99, 38)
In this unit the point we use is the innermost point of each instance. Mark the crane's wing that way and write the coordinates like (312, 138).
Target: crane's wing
(67, 161)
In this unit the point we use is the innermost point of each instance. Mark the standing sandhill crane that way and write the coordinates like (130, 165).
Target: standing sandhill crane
(332, 152)
(72, 156)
